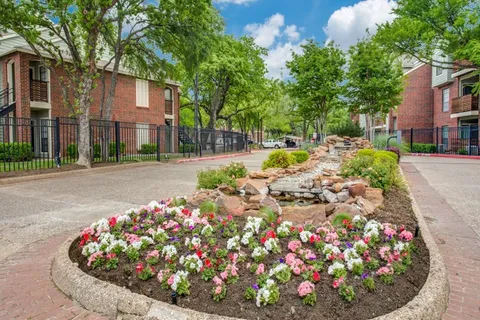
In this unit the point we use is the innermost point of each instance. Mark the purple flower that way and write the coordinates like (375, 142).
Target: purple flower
(349, 245)
(364, 276)
(174, 239)
(191, 227)
(282, 260)
(312, 258)
(255, 286)
(135, 228)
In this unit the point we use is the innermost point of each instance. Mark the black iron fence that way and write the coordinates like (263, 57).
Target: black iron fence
(443, 140)
(28, 143)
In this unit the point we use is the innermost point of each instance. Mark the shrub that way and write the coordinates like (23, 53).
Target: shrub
(366, 152)
(72, 150)
(278, 159)
(300, 155)
(349, 128)
(186, 148)
(235, 170)
(16, 151)
(112, 150)
(309, 147)
(392, 155)
(380, 142)
(463, 151)
(423, 148)
(210, 179)
(148, 148)
(396, 151)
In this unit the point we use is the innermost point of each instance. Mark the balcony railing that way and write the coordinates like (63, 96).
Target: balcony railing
(38, 90)
(464, 104)
(169, 107)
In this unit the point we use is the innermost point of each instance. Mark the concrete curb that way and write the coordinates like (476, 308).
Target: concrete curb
(120, 303)
(450, 156)
(73, 173)
(431, 302)
(215, 157)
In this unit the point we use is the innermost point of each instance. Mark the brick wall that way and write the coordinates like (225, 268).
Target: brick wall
(443, 118)
(124, 106)
(416, 109)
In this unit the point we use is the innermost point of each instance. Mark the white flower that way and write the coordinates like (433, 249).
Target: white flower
(277, 269)
(352, 262)
(147, 240)
(206, 229)
(192, 261)
(271, 244)
(90, 248)
(132, 210)
(360, 244)
(329, 249)
(336, 265)
(305, 236)
(154, 204)
(123, 218)
(101, 225)
(196, 213)
(372, 228)
(259, 251)
(400, 246)
(177, 278)
(358, 218)
(106, 238)
(137, 245)
(169, 251)
(117, 243)
(253, 224)
(246, 238)
(284, 228)
(350, 253)
(196, 241)
(188, 223)
(233, 243)
(264, 293)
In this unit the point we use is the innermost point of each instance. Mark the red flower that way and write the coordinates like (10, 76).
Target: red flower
(366, 240)
(271, 234)
(292, 228)
(224, 222)
(211, 216)
(312, 238)
(112, 221)
(345, 222)
(199, 253)
(279, 220)
(300, 229)
(229, 217)
(402, 228)
(263, 240)
(316, 276)
(208, 264)
(331, 257)
(139, 268)
(86, 236)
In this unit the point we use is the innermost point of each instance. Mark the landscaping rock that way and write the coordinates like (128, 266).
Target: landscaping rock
(352, 210)
(251, 213)
(351, 200)
(329, 209)
(338, 187)
(275, 193)
(230, 205)
(226, 189)
(368, 206)
(257, 198)
(357, 189)
(343, 196)
(314, 214)
(253, 187)
(375, 196)
(330, 196)
(272, 204)
(252, 206)
(258, 175)
(307, 184)
(241, 183)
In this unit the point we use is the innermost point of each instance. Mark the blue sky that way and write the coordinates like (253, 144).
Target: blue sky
(282, 26)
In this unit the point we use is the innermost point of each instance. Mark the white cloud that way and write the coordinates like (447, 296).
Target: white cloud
(234, 1)
(277, 58)
(292, 33)
(348, 24)
(266, 33)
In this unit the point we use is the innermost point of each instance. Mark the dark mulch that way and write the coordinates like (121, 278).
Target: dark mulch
(387, 298)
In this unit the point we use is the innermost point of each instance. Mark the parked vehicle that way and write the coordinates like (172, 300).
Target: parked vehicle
(272, 143)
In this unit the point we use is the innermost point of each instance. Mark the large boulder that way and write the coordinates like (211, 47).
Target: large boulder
(230, 205)
(258, 175)
(205, 195)
(368, 206)
(357, 189)
(272, 204)
(329, 209)
(330, 196)
(226, 189)
(257, 198)
(343, 196)
(241, 183)
(257, 186)
(375, 196)
(350, 209)
(314, 214)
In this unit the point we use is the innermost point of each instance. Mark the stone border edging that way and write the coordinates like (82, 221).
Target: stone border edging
(114, 301)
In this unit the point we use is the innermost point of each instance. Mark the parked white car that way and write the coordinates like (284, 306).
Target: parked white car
(272, 143)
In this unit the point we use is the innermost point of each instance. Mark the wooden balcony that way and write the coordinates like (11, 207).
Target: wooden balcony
(39, 90)
(169, 107)
(465, 104)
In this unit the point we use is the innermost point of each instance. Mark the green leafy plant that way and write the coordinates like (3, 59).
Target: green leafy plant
(279, 159)
(217, 296)
(16, 151)
(208, 207)
(463, 151)
(250, 294)
(235, 170)
(346, 292)
(366, 152)
(423, 148)
(210, 179)
(132, 254)
(369, 284)
(309, 147)
(300, 156)
(148, 148)
(338, 220)
(268, 214)
(348, 128)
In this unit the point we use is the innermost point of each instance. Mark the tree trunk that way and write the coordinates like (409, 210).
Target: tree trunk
(84, 155)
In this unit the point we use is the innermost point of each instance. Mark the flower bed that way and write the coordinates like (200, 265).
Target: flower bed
(251, 268)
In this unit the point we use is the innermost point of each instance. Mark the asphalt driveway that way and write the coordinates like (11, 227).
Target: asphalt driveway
(36, 210)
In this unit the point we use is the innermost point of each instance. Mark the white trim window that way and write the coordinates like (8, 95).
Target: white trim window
(446, 100)
(142, 93)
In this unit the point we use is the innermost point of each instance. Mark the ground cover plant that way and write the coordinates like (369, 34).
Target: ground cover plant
(279, 159)
(258, 268)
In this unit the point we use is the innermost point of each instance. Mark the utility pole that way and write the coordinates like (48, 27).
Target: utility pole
(196, 112)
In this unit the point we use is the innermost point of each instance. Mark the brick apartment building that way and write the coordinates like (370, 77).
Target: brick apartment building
(29, 90)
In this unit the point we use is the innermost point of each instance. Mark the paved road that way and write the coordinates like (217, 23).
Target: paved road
(457, 181)
(36, 210)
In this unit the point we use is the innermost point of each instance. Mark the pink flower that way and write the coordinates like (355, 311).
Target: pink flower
(338, 282)
(94, 257)
(406, 235)
(218, 290)
(384, 251)
(153, 254)
(290, 259)
(297, 271)
(217, 281)
(111, 255)
(389, 232)
(224, 275)
(170, 280)
(260, 269)
(294, 245)
(336, 243)
(384, 270)
(331, 236)
(344, 231)
(305, 288)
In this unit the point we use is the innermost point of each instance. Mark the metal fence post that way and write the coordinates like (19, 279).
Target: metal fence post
(246, 142)
(469, 140)
(57, 142)
(117, 141)
(183, 143)
(201, 143)
(411, 139)
(436, 137)
(158, 144)
(224, 146)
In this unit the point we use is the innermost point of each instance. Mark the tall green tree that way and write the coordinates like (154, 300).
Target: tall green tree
(74, 35)
(318, 73)
(425, 28)
(375, 81)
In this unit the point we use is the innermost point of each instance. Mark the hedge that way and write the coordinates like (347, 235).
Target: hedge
(423, 148)
(148, 148)
(16, 151)
(72, 150)
(300, 155)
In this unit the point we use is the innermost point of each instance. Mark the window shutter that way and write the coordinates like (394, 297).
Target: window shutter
(142, 93)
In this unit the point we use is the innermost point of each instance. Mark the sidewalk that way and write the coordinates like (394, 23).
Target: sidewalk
(458, 244)
(26, 288)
